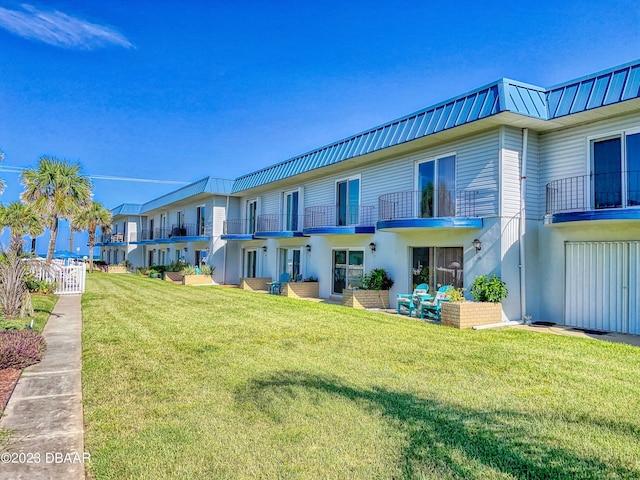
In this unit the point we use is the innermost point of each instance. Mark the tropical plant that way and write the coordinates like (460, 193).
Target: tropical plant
(90, 219)
(21, 219)
(489, 288)
(377, 279)
(56, 189)
(456, 294)
(188, 270)
(206, 270)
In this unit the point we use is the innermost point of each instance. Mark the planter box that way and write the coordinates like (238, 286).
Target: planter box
(470, 314)
(365, 298)
(255, 284)
(172, 277)
(301, 289)
(197, 279)
(116, 269)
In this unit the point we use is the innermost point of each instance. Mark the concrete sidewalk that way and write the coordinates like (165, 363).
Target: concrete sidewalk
(45, 410)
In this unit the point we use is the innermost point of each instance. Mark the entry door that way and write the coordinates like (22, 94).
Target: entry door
(602, 286)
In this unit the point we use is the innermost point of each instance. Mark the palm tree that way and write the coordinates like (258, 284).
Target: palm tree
(56, 189)
(90, 219)
(22, 220)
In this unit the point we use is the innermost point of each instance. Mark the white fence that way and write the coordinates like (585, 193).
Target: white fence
(69, 279)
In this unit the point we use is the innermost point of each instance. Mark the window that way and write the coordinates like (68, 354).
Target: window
(252, 212)
(616, 171)
(151, 233)
(348, 269)
(291, 211)
(348, 202)
(200, 219)
(290, 262)
(437, 266)
(180, 219)
(436, 187)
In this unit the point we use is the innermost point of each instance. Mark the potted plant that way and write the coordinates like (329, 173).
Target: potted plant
(488, 291)
(373, 292)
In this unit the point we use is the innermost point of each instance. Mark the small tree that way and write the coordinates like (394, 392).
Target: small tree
(22, 220)
(90, 219)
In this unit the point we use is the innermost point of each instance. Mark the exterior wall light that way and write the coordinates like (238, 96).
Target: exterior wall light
(308, 247)
(185, 249)
(372, 247)
(264, 249)
(477, 244)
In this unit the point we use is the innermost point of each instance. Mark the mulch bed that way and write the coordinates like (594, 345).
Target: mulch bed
(8, 379)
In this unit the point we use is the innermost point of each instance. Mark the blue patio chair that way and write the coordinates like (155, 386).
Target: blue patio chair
(276, 287)
(410, 301)
(432, 308)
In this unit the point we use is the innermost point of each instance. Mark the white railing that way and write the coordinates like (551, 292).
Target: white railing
(69, 279)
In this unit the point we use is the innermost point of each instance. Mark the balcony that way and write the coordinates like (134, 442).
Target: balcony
(279, 226)
(333, 220)
(111, 239)
(431, 208)
(185, 233)
(603, 196)
(238, 229)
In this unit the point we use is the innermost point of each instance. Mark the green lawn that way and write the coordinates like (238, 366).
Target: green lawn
(209, 383)
(42, 308)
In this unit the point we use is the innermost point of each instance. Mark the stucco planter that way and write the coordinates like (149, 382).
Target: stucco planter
(197, 279)
(300, 289)
(365, 298)
(116, 269)
(470, 314)
(255, 284)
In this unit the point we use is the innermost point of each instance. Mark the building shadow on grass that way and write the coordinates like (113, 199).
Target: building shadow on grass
(458, 442)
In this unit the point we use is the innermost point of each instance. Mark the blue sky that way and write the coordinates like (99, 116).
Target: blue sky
(175, 91)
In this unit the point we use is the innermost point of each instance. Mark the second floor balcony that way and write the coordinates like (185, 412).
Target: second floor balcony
(279, 225)
(339, 220)
(434, 208)
(602, 196)
(175, 233)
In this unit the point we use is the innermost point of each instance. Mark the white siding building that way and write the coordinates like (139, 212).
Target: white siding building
(548, 180)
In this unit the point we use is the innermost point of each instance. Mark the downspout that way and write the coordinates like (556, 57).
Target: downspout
(224, 258)
(523, 223)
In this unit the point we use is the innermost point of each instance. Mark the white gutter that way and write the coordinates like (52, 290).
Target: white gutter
(224, 259)
(523, 222)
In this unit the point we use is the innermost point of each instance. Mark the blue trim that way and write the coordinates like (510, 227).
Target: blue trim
(348, 230)
(173, 240)
(238, 236)
(442, 222)
(278, 234)
(111, 244)
(590, 215)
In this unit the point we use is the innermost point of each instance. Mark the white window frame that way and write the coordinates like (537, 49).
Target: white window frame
(335, 192)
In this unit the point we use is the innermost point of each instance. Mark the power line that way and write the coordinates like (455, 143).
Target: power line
(14, 169)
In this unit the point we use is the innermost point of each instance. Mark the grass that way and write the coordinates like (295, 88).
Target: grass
(209, 382)
(42, 307)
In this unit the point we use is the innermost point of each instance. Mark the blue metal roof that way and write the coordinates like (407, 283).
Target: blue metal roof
(597, 90)
(213, 185)
(604, 88)
(126, 209)
(489, 100)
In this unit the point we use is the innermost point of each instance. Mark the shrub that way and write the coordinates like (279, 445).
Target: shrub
(20, 348)
(206, 270)
(456, 294)
(311, 278)
(489, 289)
(188, 270)
(177, 266)
(377, 279)
(39, 286)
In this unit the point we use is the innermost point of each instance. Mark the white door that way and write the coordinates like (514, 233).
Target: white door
(602, 286)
